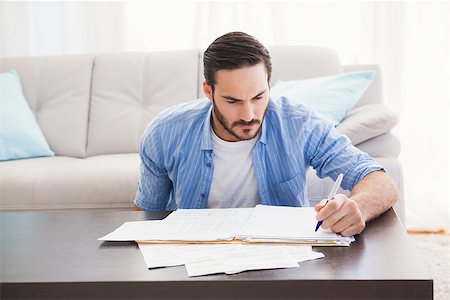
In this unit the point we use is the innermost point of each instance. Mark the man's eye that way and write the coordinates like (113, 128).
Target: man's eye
(231, 101)
(258, 98)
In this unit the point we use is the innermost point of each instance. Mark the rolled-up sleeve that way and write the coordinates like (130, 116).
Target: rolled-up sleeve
(331, 153)
(154, 186)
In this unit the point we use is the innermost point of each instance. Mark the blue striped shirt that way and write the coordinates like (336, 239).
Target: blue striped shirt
(177, 166)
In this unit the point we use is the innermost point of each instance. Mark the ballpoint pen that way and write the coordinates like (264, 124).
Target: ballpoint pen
(332, 194)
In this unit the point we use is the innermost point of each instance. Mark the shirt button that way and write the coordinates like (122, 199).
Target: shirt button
(203, 195)
(208, 165)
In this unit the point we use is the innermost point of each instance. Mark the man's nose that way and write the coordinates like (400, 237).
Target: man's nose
(247, 113)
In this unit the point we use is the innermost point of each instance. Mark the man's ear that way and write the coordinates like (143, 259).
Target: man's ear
(207, 89)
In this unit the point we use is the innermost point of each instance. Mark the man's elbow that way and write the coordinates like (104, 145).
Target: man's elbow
(394, 193)
(136, 208)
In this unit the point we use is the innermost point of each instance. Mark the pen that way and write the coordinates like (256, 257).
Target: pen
(332, 194)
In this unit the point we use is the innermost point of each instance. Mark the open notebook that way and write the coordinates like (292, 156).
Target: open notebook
(261, 224)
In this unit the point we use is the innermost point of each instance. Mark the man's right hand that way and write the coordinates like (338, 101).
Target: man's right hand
(342, 215)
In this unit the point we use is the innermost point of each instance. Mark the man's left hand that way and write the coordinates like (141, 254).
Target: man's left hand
(341, 214)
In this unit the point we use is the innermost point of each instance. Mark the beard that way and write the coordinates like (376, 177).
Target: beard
(229, 128)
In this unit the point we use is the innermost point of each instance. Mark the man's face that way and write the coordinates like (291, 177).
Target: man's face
(240, 102)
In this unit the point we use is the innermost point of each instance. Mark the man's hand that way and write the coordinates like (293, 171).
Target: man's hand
(342, 215)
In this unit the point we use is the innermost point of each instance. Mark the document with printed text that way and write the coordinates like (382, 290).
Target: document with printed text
(233, 240)
(261, 224)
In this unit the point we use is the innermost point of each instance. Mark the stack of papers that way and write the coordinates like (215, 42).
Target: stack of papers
(262, 224)
(231, 240)
(226, 258)
(283, 224)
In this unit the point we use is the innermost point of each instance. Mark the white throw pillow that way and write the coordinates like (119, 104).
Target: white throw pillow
(366, 122)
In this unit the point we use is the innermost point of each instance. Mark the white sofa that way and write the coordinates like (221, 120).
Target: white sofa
(93, 109)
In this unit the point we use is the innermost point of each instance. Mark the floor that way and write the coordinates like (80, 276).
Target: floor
(434, 249)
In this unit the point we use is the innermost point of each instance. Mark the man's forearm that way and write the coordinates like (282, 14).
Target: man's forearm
(374, 194)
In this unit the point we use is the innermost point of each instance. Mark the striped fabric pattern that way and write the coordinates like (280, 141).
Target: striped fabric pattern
(176, 156)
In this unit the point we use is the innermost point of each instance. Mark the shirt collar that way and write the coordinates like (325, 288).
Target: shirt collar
(206, 143)
(263, 130)
(263, 137)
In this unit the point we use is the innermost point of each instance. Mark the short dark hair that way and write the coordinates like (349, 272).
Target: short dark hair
(232, 51)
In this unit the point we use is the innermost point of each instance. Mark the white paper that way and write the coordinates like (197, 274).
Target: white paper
(163, 255)
(302, 256)
(260, 224)
(203, 224)
(185, 225)
(225, 258)
(157, 256)
(242, 258)
(297, 253)
(131, 231)
(286, 224)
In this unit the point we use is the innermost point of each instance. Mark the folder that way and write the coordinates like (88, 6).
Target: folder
(261, 224)
(282, 224)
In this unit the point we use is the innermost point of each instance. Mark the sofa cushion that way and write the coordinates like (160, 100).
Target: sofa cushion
(20, 135)
(366, 122)
(104, 181)
(130, 89)
(331, 96)
(57, 90)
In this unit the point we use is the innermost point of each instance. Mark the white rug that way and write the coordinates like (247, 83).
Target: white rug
(434, 249)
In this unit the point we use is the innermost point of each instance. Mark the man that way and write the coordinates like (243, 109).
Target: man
(240, 148)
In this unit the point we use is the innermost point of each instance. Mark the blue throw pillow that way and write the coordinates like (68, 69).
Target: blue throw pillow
(20, 135)
(331, 96)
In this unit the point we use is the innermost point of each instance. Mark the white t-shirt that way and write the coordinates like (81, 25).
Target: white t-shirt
(234, 181)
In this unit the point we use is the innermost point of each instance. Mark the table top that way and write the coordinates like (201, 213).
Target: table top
(62, 246)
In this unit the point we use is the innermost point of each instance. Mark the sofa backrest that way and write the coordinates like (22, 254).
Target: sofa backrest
(57, 89)
(129, 89)
(91, 105)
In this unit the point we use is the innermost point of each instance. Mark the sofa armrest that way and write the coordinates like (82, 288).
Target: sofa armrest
(385, 145)
(366, 122)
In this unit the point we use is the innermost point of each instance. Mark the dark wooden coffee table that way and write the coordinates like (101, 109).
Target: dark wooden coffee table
(56, 254)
